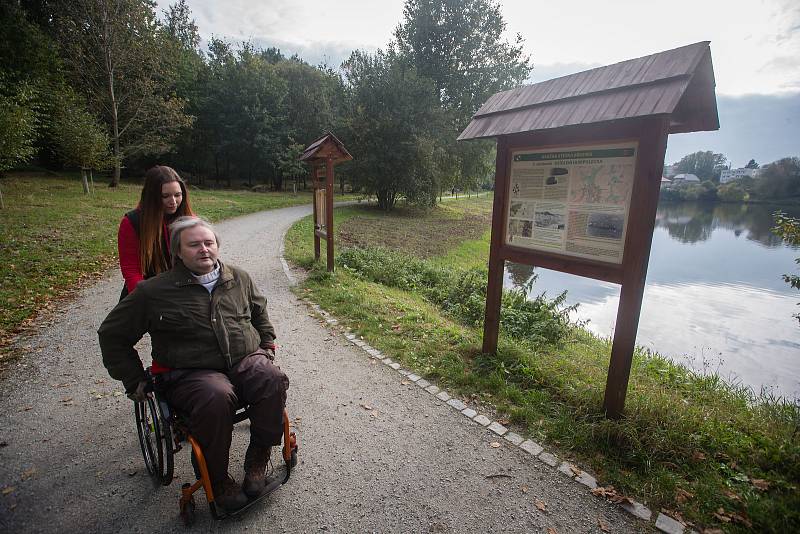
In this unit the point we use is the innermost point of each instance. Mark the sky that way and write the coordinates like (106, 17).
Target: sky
(755, 48)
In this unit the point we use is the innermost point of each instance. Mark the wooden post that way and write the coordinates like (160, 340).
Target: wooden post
(314, 215)
(329, 211)
(494, 288)
(641, 222)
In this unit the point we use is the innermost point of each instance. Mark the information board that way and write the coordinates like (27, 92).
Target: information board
(573, 200)
(321, 207)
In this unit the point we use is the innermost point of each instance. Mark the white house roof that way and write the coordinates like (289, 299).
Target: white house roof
(686, 177)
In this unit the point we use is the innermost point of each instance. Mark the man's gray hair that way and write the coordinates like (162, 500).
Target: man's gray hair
(184, 223)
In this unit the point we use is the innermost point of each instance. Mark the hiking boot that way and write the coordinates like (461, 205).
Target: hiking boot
(228, 494)
(255, 467)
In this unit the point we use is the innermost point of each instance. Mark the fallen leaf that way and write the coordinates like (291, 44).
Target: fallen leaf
(504, 421)
(713, 531)
(738, 518)
(396, 327)
(575, 470)
(681, 495)
(760, 483)
(722, 515)
(732, 496)
(366, 406)
(405, 382)
(494, 444)
(28, 473)
(66, 399)
(540, 505)
(551, 530)
(698, 456)
(524, 489)
(27, 408)
(8, 489)
(602, 524)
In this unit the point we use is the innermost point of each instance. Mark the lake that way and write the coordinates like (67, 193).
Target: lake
(715, 299)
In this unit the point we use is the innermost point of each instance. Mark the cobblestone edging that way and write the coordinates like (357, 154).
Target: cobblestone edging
(663, 522)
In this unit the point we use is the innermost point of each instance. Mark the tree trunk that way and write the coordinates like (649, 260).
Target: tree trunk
(85, 182)
(112, 100)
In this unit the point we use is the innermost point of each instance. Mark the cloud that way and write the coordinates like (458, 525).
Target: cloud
(330, 53)
(763, 127)
(549, 71)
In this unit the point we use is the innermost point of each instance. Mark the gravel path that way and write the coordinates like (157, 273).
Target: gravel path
(70, 460)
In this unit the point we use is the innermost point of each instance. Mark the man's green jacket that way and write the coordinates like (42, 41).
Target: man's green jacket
(188, 327)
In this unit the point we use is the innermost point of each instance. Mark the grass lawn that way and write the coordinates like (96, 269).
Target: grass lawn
(713, 455)
(53, 236)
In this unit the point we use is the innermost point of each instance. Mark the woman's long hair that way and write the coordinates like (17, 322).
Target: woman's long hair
(152, 256)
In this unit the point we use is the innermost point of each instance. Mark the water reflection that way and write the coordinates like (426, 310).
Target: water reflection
(692, 222)
(714, 299)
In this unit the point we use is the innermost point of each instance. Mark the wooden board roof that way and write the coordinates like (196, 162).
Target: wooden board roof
(328, 145)
(679, 83)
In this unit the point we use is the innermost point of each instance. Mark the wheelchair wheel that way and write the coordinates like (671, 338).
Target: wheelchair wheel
(155, 439)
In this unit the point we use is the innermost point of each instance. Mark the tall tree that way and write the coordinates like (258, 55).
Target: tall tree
(751, 164)
(18, 124)
(394, 114)
(116, 52)
(779, 180)
(245, 113)
(459, 45)
(189, 83)
(706, 165)
(80, 139)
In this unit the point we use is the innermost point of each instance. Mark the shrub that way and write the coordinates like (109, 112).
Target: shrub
(462, 293)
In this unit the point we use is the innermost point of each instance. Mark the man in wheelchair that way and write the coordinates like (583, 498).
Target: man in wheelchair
(212, 348)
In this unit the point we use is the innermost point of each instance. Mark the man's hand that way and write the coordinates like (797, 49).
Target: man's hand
(270, 354)
(139, 395)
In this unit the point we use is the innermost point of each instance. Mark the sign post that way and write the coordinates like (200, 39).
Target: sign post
(578, 173)
(322, 154)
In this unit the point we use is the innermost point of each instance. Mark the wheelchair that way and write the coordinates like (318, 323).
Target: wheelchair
(161, 433)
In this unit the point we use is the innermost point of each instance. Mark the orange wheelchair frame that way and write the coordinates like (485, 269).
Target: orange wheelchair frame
(161, 432)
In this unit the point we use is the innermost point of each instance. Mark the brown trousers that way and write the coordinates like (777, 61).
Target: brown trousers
(210, 399)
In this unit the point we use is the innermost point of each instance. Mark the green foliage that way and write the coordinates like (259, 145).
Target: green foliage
(459, 46)
(18, 124)
(705, 191)
(122, 61)
(706, 165)
(80, 138)
(394, 115)
(731, 192)
(462, 293)
(780, 179)
(289, 163)
(244, 111)
(788, 228)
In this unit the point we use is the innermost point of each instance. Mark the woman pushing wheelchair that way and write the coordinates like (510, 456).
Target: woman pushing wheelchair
(211, 359)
